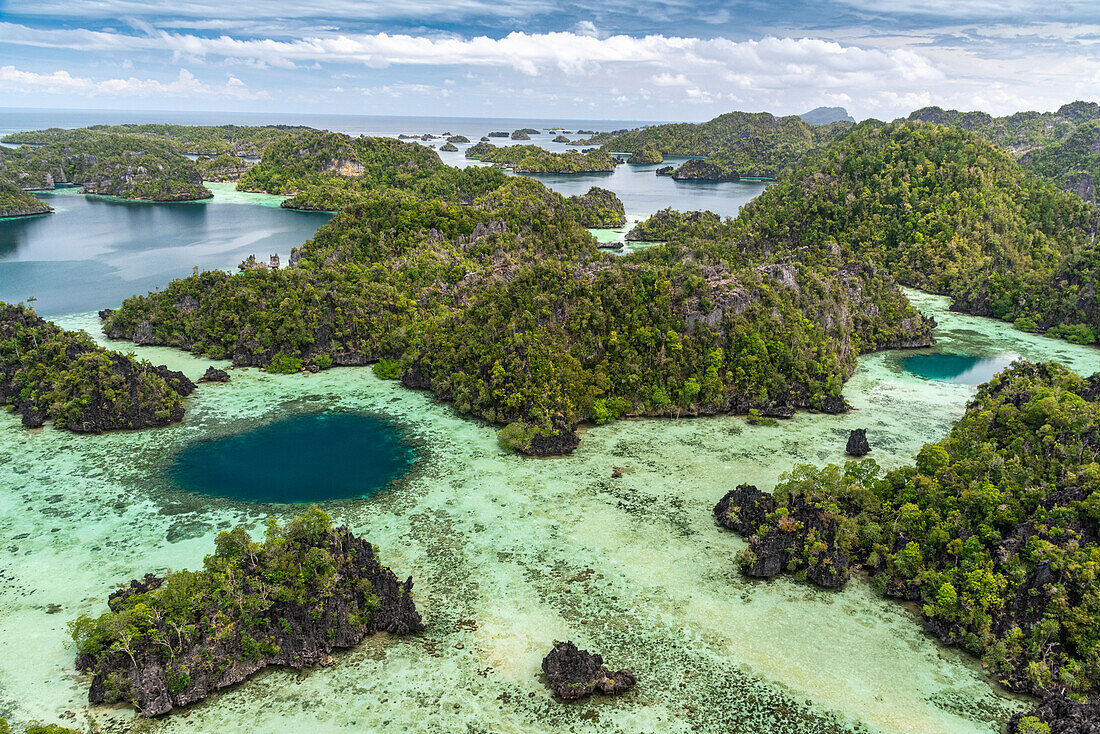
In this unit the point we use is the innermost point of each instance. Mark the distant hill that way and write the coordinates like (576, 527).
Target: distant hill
(825, 115)
(751, 143)
(1018, 133)
(1063, 146)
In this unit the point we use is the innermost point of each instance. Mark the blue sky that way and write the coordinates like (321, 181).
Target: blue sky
(620, 59)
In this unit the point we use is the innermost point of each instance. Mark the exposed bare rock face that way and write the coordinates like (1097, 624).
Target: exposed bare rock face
(1062, 715)
(213, 374)
(574, 673)
(746, 510)
(857, 443)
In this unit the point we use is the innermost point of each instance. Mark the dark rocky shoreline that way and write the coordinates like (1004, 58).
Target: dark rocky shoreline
(288, 632)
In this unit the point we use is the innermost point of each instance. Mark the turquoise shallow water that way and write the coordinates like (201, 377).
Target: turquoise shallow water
(965, 369)
(313, 457)
(509, 554)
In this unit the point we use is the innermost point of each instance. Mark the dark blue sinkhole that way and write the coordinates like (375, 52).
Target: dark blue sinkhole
(962, 369)
(304, 458)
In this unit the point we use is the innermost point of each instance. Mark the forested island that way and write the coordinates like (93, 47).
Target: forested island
(487, 291)
(425, 266)
(825, 115)
(224, 167)
(48, 373)
(752, 144)
(212, 141)
(647, 156)
(15, 202)
(597, 209)
(308, 590)
(1063, 145)
(923, 202)
(995, 531)
(124, 166)
(716, 168)
(533, 159)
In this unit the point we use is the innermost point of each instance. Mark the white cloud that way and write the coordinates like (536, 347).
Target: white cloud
(211, 12)
(561, 72)
(62, 82)
(664, 79)
(529, 53)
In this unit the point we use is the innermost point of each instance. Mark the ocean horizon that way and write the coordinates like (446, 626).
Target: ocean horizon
(17, 119)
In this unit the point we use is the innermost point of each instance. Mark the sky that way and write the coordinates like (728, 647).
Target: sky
(612, 59)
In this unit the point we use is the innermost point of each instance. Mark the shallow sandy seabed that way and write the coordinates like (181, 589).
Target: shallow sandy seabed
(509, 554)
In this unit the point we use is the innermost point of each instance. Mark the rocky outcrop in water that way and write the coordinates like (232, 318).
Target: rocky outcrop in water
(798, 537)
(857, 443)
(520, 135)
(574, 673)
(449, 148)
(33, 417)
(213, 374)
(178, 381)
(292, 602)
(665, 171)
(1062, 715)
(565, 442)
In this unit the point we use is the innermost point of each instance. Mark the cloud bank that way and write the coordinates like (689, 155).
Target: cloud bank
(268, 55)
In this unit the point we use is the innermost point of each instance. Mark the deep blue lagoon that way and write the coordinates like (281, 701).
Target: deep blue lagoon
(314, 457)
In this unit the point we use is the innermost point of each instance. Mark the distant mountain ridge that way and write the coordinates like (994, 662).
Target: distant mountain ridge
(825, 115)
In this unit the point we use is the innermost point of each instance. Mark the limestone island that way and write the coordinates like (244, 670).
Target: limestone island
(533, 159)
(48, 373)
(306, 591)
(15, 202)
(598, 209)
(646, 156)
(711, 169)
(762, 314)
(123, 166)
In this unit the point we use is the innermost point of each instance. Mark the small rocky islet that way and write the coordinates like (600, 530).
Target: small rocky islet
(574, 673)
(307, 590)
